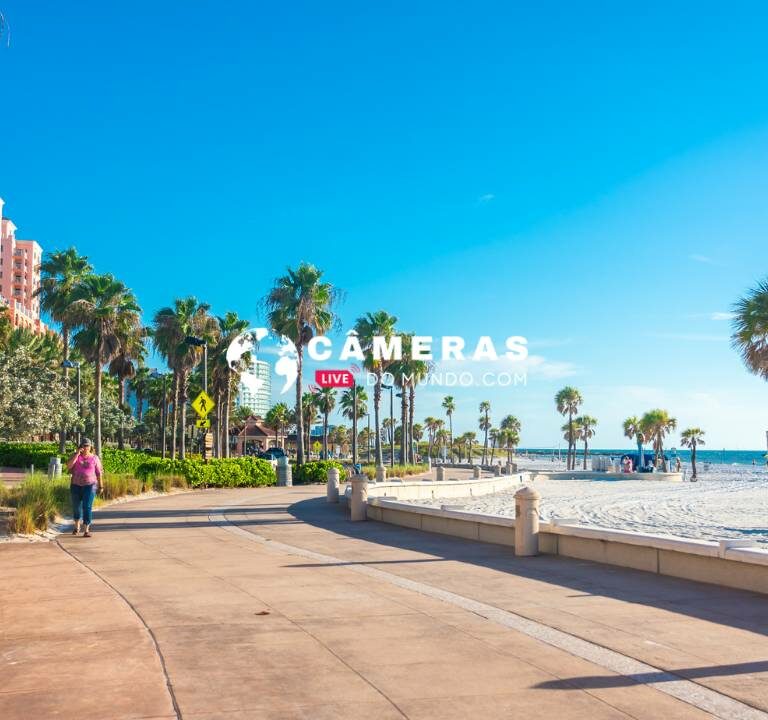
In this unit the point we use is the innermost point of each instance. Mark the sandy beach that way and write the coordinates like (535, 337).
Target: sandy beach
(726, 502)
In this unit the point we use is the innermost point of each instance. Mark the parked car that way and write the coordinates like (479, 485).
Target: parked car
(272, 454)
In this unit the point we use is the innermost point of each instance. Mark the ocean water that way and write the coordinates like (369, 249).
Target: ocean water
(716, 457)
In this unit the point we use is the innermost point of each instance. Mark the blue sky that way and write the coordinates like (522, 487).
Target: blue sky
(591, 178)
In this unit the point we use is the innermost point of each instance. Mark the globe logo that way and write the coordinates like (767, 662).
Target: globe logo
(286, 365)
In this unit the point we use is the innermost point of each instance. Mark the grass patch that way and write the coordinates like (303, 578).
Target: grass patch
(398, 471)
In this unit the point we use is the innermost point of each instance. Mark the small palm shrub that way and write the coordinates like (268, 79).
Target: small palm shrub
(315, 472)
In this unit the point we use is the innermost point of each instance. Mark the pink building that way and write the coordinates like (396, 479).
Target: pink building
(19, 277)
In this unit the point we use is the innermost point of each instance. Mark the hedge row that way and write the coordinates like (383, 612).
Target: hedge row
(315, 472)
(222, 472)
(22, 455)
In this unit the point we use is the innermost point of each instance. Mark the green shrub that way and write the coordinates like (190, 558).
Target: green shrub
(398, 471)
(315, 472)
(22, 455)
(38, 500)
(221, 472)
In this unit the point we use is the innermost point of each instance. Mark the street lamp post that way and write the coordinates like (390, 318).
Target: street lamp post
(354, 423)
(67, 364)
(201, 342)
(368, 439)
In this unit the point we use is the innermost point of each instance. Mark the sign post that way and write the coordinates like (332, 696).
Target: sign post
(203, 404)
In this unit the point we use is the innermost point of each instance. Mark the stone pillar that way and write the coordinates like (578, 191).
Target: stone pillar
(54, 468)
(332, 489)
(527, 521)
(497, 470)
(429, 463)
(359, 501)
(284, 476)
(381, 473)
(440, 473)
(476, 471)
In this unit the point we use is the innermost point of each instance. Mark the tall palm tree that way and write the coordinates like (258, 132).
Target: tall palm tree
(431, 424)
(368, 326)
(308, 417)
(485, 426)
(354, 405)
(300, 306)
(656, 425)
(224, 374)
(692, 438)
(633, 430)
(567, 402)
(325, 399)
(493, 433)
(105, 312)
(449, 405)
(277, 418)
(123, 367)
(60, 273)
(586, 425)
(750, 329)
(171, 325)
(511, 427)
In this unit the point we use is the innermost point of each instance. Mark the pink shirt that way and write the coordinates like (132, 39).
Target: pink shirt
(86, 470)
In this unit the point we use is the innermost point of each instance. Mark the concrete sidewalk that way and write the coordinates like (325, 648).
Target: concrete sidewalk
(268, 603)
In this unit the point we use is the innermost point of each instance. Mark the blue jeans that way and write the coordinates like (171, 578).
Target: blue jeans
(82, 496)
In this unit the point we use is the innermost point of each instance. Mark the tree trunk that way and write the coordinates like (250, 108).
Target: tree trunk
(693, 462)
(450, 432)
(175, 429)
(570, 443)
(183, 414)
(585, 453)
(411, 413)
(299, 408)
(403, 426)
(493, 449)
(97, 399)
(376, 418)
(325, 435)
(120, 430)
(63, 431)
(227, 405)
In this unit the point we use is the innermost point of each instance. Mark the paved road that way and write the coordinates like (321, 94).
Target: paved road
(267, 603)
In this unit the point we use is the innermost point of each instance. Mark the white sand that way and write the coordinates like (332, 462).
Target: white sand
(728, 501)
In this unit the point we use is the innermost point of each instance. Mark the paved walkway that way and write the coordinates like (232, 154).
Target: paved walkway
(267, 603)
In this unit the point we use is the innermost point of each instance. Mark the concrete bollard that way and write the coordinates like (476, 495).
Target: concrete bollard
(497, 470)
(429, 463)
(54, 468)
(476, 471)
(359, 502)
(284, 475)
(381, 473)
(332, 489)
(527, 521)
(440, 473)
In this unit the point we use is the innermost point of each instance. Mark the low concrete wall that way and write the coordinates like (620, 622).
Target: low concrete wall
(429, 488)
(597, 475)
(732, 563)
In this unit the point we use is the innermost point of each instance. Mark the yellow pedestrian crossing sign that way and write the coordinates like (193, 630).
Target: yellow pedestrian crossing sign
(203, 423)
(202, 404)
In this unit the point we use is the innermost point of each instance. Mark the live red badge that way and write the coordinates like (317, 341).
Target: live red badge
(334, 378)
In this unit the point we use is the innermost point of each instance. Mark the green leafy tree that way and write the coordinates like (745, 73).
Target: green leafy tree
(586, 431)
(299, 306)
(34, 399)
(656, 425)
(354, 405)
(449, 405)
(750, 329)
(634, 431)
(278, 417)
(325, 400)
(485, 425)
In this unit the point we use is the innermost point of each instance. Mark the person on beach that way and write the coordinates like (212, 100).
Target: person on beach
(86, 471)
(678, 465)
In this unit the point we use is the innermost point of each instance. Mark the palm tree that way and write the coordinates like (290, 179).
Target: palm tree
(750, 329)
(692, 438)
(60, 273)
(414, 371)
(431, 424)
(417, 433)
(485, 426)
(354, 405)
(139, 385)
(586, 425)
(511, 427)
(300, 306)
(442, 438)
(277, 418)
(124, 365)
(493, 433)
(171, 326)
(224, 375)
(449, 405)
(105, 313)
(632, 429)
(370, 325)
(567, 402)
(308, 417)
(325, 400)
(656, 425)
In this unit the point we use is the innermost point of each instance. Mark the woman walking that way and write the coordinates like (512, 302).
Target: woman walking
(85, 467)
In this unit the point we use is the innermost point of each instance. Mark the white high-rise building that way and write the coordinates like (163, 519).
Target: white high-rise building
(254, 390)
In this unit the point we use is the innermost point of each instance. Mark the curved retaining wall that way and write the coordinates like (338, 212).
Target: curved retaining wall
(740, 564)
(595, 475)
